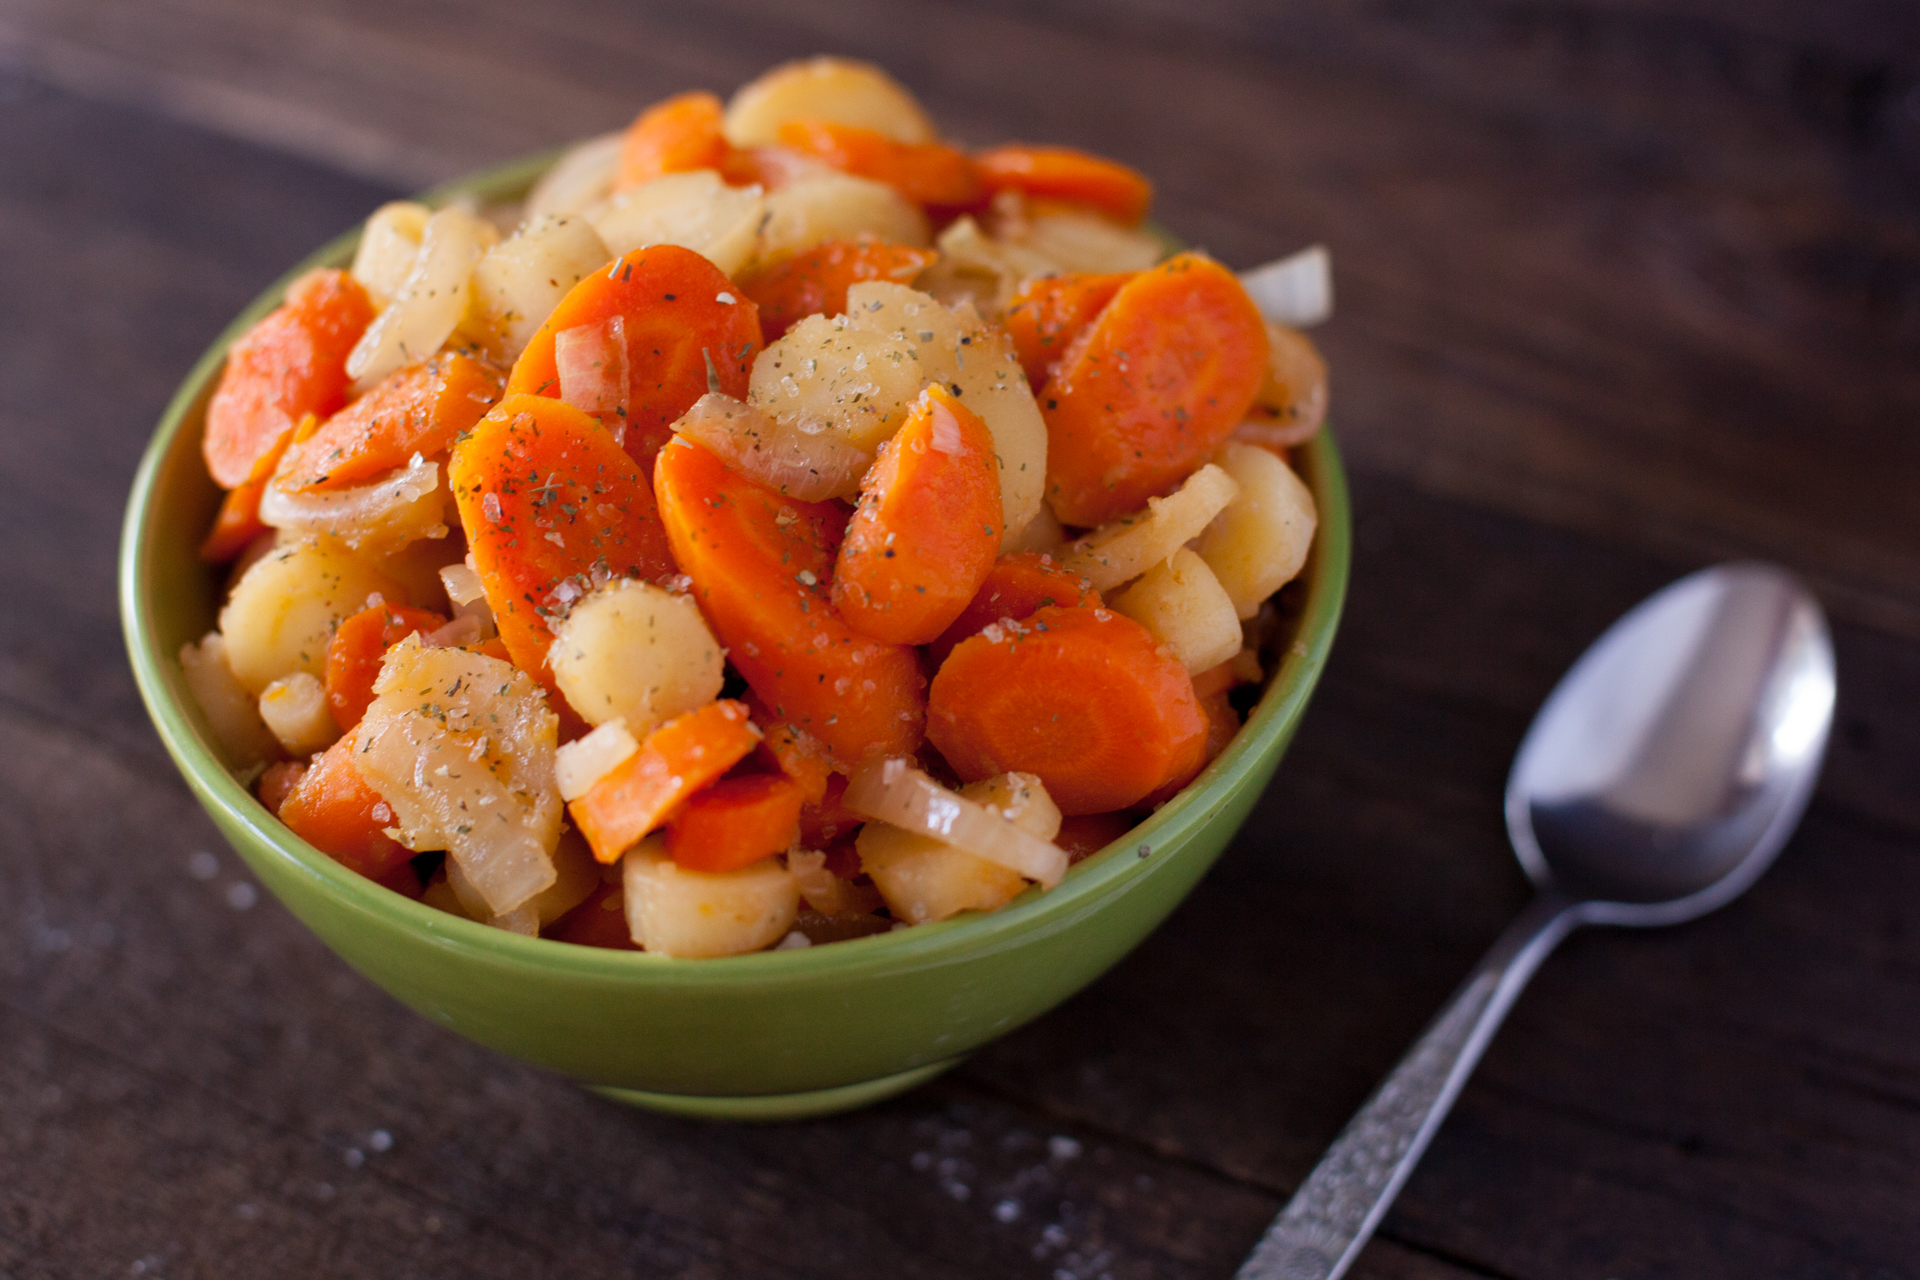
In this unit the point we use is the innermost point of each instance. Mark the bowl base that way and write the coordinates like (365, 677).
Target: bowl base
(778, 1106)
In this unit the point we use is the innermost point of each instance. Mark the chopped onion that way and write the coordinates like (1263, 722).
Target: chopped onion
(430, 302)
(1296, 290)
(462, 583)
(578, 178)
(787, 457)
(377, 518)
(1124, 549)
(893, 791)
(591, 360)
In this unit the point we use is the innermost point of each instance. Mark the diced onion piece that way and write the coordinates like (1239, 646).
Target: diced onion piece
(584, 761)
(802, 457)
(922, 880)
(295, 708)
(1260, 540)
(591, 360)
(523, 919)
(430, 302)
(1186, 609)
(1296, 290)
(636, 652)
(1292, 401)
(675, 912)
(695, 210)
(582, 176)
(233, 714)
(576, 876)
(891, 790)
(836, 89)
(974, 267)
(388, 245)
(1123, 550)
(462, 631)
(1020, 798)
(462, 747)
(468, 596)
(377, 518)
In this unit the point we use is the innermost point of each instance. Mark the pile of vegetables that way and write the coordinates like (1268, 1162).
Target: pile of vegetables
(794, 527)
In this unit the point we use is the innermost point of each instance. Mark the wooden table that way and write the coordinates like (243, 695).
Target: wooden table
(1625, 288)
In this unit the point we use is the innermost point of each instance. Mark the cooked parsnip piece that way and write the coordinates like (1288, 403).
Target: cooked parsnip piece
(696, 211)
(674, 912)
(377, 519)
(800, 457)
(1260, 540)
(295, 708)
(518, 281)
(1079, 240)
(430, 301)
(1185, 607)
(587, 759)
(836, 206)
(1123, 550)
(977, 361)
(462, 746)
(388, 244)
(922, 879)
(636, 652)
(836, 89)
(283, 611)
(582, 176)
(826, 376)
(233, 714)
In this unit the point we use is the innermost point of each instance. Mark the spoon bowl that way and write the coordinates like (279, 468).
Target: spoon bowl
(1660, 778)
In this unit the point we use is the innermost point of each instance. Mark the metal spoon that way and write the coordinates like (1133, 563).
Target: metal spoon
(1661, 777)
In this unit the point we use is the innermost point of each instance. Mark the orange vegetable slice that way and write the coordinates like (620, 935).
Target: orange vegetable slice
(735, 822)
(1049, 312)
(1061, 173)
(926, 173)
(238, 521)
(1019, 583)
(815, 282)
(355, 652)
(679, 758)
(675, 136)
(339, 813)
(419, 409)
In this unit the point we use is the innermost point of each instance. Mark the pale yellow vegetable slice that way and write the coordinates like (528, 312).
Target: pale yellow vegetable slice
(232, 713)
(836, 206)
(1077, 240)
(523, 919)
(462, 747)
(428, 306)
(892, 790)
(518, 281)
(587, 759)
(675, 912)
(1292, 401)
(1123, 550)
(802, 456)
(836, 89)
(295, 709)
(581, 177)
(695, 210)
(388, 245)
(825, 377)
(284, 609)
(378, 519)
(636, 652)
(922, 878)
(975, 267)
(1259, 541)
(1186, 608)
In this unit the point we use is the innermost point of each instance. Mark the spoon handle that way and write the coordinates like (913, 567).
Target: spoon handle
(1320, 1232)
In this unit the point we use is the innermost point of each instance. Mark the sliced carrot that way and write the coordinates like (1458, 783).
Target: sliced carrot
(926, 173)
(1085, 698)
(735, 823)
(1061, 173)
(1085, 834)
(688, 330)
(292, 363)
(792, 751)
(674, 136)
(336, 811)
(1217, 679)
(828, 823)
(1049, 312)
(1222, 723)
(552, 507)
(238, 521)
(1019, 583)
(679, 758)
(355, 652)
(815, 282)
(928, 526)
(600, 921)
(760, 564)
(277, 783)
(419, 409)
(1152, 388)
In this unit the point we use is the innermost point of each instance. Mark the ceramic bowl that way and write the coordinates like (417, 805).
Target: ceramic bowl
(770, 1035)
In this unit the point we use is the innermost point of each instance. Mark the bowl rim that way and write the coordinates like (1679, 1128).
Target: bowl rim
(1105, 872)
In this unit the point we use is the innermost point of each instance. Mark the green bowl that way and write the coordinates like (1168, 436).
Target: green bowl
(767, 1036)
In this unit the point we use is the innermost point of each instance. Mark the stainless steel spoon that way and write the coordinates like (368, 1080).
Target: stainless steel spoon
(1661, 777)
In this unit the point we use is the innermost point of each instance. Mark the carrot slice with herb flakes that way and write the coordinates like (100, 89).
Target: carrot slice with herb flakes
(1085, 698)
(292, 363)
(1151, 389)
(1061, 173)
(735, 822)
(926, 173)
(815, 282)
(928, 527)
(419, 409)
(688, 329)
(677, 135)
(760, 564)
(238, 521)
(1049, 312)
(1019, 583)
(337, 811)
(679, 758)
(354, 654)
(552, 508)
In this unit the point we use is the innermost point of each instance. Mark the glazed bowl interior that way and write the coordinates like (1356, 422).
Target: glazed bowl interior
(770, 1034)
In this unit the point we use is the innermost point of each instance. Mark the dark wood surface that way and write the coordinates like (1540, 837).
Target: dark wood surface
(1625, 287)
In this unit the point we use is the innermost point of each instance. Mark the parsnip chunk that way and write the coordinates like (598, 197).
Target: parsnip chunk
(387, 247)
(696, 211)
(581, 177)
(283, 610)
(675, 912)
(233, 714)
(826, 376)
(518, 281)
(1185, 607)
(835, 89)
(802, 457)
(636, 652)
(462, 747)
(1260, 540)
(587, 759)
(922, 879)
(836, 206)
(1123, 550)
(295, 708)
